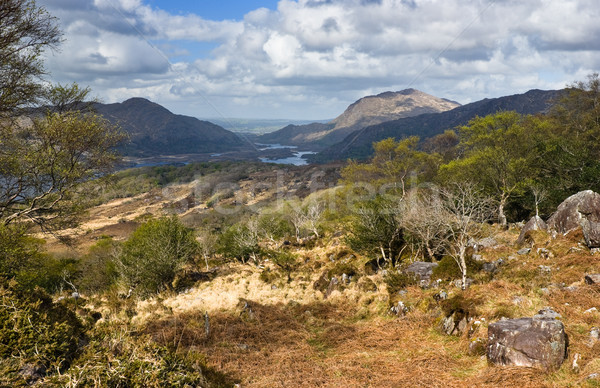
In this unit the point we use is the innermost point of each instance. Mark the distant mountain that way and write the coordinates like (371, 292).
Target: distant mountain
(367, 111)
(153, 130)
(358, 145)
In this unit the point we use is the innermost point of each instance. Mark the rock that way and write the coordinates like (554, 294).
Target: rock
(421, 269)
(523, 251)
(458, 283)
(570, 213)
(527, 342)
(492, 267)
(399, 309)
(32, 373)
(455, 324)
(477, 257)
(592, 278)
(544, 270)
(593, 376)
(487, 242)
(534, 223)
(545, 253)
(591, 233)
(334, 285)
(442, 295)
(547, 313)
(590, 310)
(595, 251)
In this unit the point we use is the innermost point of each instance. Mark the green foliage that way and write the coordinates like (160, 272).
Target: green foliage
(154, 254)
(343, 268)
(239, 242)
(393, 163)
(447, 269)
(116, 357)
(398, 280)
(35, 330)
(461, 306)
(376, 230)
(285, 260)
(98, 268)
(17, 251)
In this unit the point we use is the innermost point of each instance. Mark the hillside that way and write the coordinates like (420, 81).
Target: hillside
(367, 111)
(153, 130)
(358, 145)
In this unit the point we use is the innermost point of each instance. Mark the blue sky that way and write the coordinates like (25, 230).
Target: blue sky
(310, 59)
(213, 9)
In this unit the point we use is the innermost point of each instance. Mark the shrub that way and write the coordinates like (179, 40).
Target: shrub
(98, 268)
(397, 281)
(447, 268)
(34, 330)
(154, 254)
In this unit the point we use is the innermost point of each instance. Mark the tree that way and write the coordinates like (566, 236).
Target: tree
(498, 154)
(393, 164)
(26, 31)
(376, 229)
(43, 163)
(154, 254)
(466, 209)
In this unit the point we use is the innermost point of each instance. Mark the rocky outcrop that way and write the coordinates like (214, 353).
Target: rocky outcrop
(421, 269)
(535, 223)
(529, 342)
(569, 215)
(593, 278)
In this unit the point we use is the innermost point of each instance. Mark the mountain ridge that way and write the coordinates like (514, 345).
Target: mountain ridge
(368, 110)
(154, 130)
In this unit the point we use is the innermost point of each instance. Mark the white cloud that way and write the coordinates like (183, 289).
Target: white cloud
(311, 58)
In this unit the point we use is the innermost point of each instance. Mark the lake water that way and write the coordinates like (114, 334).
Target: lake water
(296, 159)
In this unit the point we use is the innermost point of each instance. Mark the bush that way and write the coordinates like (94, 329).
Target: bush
(397, 281)
(34, 330)
(447, 268)
(98, 268)
(154, 254)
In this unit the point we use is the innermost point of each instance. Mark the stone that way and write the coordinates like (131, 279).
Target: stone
(534, 223)
(545, 253)
(592, 278)
(570, 213)
(399, 309)
(423, 270)
(527, 342)
(523, 251)
(591, 233)
(458, 283)
(32, 373)
(477, 257)
(590, 310)
(547, 313)
(492, 267)
(334, 285)
(454, 324)
(544, 270)
(442, 295)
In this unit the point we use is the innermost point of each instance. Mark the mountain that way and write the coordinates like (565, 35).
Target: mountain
(367, 111)
(358, 145)
(153, 130)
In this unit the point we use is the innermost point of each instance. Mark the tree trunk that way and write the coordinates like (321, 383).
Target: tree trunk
(463, 268)
(501, 216)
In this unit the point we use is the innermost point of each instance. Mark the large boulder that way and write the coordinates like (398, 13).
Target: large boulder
(529, 342)
(535, 223)
(571, 212)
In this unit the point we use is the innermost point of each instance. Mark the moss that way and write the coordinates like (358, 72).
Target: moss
(447, 269)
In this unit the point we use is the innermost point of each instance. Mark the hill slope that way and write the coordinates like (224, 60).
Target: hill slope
(358, 145)
(367, 111)
(154, 130)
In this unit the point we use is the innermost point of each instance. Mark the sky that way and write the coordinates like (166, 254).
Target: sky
(310, 59)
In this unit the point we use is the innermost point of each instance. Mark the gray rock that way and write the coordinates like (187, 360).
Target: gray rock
(545, 253)
(534, 223)
(544, 270)
(524, 251)
(399, 309)
(32, 373)
(421, 269)
(547, 313)
(591, 233)
(570, 213)
(592, 278)
(458, 283)
(477, 347)
(442, 295)
(527, 342)
(477, 257)
(492, 267)
(454, 324)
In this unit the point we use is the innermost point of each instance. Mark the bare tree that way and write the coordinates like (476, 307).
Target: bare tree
(467, 211)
